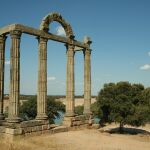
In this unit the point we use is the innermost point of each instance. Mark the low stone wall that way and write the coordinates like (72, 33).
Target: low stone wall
(12, 131)
(82, 120)
(41, 126)
(29, 127)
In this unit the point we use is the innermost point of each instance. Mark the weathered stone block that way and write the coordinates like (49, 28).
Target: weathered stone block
(39, 128)
(34, 129)
(67, 121)
(51, 126)
(13, 131)
(77, 123)
(60, 129)
(95, 126)
(32, 123)
(45, 127)
(2, 129)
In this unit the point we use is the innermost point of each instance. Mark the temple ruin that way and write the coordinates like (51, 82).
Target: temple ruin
(13, 124)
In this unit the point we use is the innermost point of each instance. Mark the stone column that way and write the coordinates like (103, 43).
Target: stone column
(87, 81)
(13, 115)
(87, 77)
(42, 80)
(2, 64)
(70, 82)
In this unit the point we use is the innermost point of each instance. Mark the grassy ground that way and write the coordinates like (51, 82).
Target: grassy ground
(88, 139)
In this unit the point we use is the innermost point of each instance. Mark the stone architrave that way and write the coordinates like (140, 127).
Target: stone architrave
(70, 82)
(2, 64)
(13, 114)
(42, 80)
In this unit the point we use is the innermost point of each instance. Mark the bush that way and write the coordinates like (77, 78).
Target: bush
(79, 110)
(28, 110)
(124, 103)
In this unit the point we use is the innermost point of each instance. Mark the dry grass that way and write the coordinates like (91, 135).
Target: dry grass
(82, 140)
(78, 101)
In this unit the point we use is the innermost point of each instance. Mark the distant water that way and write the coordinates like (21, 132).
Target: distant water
(59, 120)
(96, 120)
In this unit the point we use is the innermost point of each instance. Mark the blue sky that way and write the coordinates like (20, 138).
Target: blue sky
(119, 29)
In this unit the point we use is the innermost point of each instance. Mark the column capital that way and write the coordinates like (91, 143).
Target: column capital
(42, 39)
(15, 34)
(87, 40)
(70, 50)
(87, 51)
(70, 46)
(3, 38)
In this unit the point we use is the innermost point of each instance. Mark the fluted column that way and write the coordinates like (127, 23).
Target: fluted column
(2, 64)
(87, 76)
(13, 115)
(70, 82)
(87, 81)
(42, 80)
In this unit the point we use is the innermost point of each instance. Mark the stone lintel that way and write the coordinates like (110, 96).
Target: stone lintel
(77, 48)
(37, 32)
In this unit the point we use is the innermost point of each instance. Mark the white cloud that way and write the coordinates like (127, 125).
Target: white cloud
(145, 67)
(7, 62)
(60, 31)
(51, 78)
(148, 53)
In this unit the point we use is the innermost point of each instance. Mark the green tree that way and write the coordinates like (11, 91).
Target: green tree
(28, 110)
(104, 101)
(94, 109)
(79, 109)
(145, 103)
(121, 103)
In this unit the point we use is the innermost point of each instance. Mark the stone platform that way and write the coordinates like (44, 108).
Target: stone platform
(11, 131)
(81, 120)
(25, 127)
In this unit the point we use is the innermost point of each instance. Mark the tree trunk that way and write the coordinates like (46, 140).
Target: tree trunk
(121, 127)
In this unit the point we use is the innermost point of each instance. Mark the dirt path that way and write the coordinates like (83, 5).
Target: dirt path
(94, 140)
(82, 140)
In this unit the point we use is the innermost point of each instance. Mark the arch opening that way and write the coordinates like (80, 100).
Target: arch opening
(48, 19)
(57, 29)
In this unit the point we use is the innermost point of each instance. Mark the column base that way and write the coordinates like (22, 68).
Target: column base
(78, 121)
(69, 114)
(2, 117)
(13, 120)
(41, 117)
(87, 112)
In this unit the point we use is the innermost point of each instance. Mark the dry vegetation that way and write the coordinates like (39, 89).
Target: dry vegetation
(83, 140)
(78, 101)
